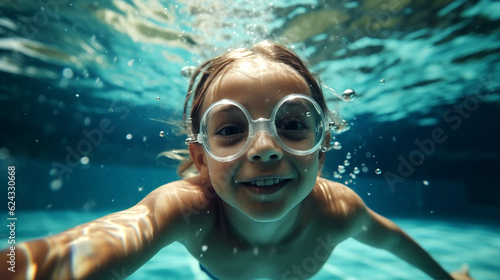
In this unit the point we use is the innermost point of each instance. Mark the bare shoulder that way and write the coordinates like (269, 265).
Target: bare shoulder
(182, 204)
(337, 203)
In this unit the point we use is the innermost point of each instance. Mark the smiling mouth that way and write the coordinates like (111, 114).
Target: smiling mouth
(266, 186)
(265, 182)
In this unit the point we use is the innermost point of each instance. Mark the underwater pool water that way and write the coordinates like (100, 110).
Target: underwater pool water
(450, 242)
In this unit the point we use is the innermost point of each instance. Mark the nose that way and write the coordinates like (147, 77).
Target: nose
(264, 148)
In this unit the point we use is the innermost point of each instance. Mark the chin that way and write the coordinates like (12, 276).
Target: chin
(266, 212)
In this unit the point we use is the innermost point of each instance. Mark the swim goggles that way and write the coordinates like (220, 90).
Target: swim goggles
(297, 123)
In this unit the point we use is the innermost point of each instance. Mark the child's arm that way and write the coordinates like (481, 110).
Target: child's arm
(111, 247)
(380, 232)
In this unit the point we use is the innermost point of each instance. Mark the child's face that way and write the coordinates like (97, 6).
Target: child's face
(286, 178)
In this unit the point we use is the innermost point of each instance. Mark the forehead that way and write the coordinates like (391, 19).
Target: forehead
(254, 81)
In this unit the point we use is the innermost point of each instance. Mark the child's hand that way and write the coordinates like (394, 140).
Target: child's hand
(463, 274)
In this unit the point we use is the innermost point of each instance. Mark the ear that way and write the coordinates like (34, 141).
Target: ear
(198, 155)
(322, 155)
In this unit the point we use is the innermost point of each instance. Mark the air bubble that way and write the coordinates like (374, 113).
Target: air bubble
(308, 114)
(162, 133)
(187, 71)
(67, 73)
(382, 81)
(349, 95)
(348, 156)
(256, 251)
(87, 121)
(157, 98)
(355, 170)
(341, 127)
(128, 136)
(84, 160)
(378, 171)
(140, 189)
(425, 182)
(346, 162)
(341, 169)
(56, 184)
(4, 154)
(204, 248)
(337, 145)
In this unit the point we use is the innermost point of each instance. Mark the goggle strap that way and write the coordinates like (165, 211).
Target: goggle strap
(331, 126)
(191, 139)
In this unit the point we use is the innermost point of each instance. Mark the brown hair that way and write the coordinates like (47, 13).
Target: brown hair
(204, 75)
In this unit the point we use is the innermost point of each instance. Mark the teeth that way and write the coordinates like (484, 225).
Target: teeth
(266, 182)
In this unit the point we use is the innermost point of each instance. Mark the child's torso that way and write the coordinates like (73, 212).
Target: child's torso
(299, 256)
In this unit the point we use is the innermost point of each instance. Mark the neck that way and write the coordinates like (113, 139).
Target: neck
(258, 233)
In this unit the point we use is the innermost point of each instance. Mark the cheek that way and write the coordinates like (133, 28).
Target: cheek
(221, 174)
(308, 164)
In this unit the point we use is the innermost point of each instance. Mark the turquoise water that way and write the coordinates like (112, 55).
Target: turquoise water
(417, 67)
(450, 242)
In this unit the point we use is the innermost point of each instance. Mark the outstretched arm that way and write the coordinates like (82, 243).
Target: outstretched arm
(382, 233)
(111, 247)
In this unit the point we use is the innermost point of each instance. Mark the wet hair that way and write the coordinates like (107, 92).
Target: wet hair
(208, 72)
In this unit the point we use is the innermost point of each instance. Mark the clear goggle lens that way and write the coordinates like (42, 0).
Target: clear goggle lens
(296, 122)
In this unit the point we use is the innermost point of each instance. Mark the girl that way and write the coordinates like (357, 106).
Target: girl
(258, 133)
